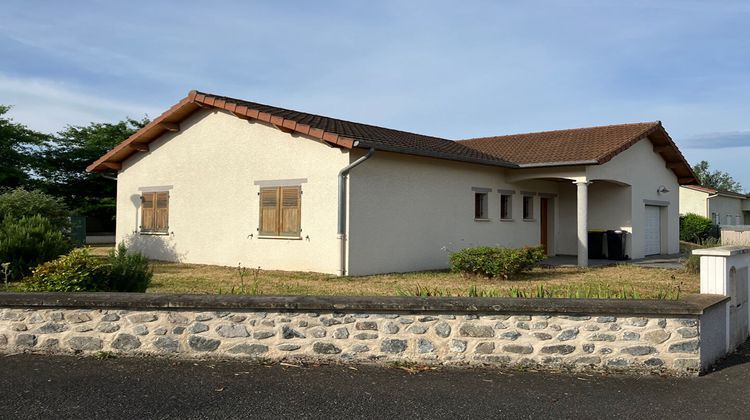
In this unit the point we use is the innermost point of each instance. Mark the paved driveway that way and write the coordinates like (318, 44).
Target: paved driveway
(36, 387)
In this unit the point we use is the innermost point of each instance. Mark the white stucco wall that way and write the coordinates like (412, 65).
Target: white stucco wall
(645, 171)
(726, 206)
(405, 210)
(211, 165)
(693, 202)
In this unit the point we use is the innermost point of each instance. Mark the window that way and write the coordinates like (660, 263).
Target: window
(280, 214)
(155, 212)
(528, 207)
(506, 206)
(480, 206)
(715, 218)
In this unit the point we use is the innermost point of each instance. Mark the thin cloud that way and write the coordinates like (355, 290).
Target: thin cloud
(49, 106)
(721, 140)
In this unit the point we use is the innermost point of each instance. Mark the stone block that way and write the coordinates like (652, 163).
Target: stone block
(475, 330)
(236, 330)
(518, 349)
(393, 346)
(203, 344)
(126, 342)
(84, 343)
(442, 329)
(558, 349)
(485, 348)
(425, 346)
(26, 340)
(657, 336)
(325, 348)
(249, 349)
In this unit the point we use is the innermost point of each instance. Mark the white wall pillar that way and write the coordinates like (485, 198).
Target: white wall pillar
(582, 205)
(725, 270)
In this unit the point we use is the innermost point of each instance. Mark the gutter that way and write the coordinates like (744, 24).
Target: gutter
(341, 234)
(565, 163)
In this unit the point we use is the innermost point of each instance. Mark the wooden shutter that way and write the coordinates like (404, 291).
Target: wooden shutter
(290, 211)
(161, 212)
(147, 212)
(269, 212)
(155, 212)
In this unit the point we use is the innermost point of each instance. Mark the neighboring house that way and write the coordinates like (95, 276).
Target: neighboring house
(725, 208)
(216, 180)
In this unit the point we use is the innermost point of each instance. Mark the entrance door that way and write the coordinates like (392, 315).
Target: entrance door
(653, 230)
(543, 223)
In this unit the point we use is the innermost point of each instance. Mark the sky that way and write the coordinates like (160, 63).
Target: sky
(453, 69)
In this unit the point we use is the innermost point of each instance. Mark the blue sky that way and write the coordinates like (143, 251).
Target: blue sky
(450, 69)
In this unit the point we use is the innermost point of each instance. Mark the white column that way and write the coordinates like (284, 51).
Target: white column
(582, 222)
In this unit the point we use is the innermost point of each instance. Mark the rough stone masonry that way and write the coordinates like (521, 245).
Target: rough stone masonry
(597, 342)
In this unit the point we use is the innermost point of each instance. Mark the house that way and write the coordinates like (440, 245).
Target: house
(725, 208)
(217, 180)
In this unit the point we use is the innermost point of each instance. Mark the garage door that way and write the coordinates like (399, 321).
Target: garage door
(653, 230)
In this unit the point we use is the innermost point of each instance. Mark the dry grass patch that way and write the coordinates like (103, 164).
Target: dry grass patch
(636, 281)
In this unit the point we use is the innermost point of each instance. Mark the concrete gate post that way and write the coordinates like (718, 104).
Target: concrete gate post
(725, 271)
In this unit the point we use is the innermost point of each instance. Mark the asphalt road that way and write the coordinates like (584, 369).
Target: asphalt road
(39, 387)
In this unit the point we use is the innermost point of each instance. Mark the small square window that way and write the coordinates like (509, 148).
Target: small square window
(480, 206)
(506, 207)
(528, 207)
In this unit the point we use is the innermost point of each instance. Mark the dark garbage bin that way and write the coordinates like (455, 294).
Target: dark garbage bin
(596, 244)
(616, 245)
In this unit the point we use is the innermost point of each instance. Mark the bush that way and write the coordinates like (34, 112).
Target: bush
(495, 261)
(17, 203)
(695, 228)
(28, 242)
(693, 263)
(76, 272)
(79, 271)
(127, 271)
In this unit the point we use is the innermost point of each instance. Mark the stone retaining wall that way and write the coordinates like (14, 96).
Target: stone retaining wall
(495, 334)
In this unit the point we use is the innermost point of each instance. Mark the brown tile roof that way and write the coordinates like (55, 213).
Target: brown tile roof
(581, 146)
(552, 148)
(595, 144)
(337, 132)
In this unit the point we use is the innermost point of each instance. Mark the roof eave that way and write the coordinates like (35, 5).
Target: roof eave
(555, 164)
(423, 153)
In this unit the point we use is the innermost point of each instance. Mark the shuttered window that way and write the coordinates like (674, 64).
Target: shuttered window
(280, 213)
(155, 212)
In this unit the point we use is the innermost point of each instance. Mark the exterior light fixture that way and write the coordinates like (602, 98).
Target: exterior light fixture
(662, 190)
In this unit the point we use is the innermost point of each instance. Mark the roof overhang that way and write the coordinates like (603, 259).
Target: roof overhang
(170, 121)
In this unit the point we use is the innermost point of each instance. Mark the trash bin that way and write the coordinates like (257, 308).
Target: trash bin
(596, 244)
(616, 245)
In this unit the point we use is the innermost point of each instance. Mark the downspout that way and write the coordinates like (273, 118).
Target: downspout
(341, 234)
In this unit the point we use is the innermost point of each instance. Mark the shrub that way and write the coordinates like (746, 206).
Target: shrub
(695, 228)
(77, 271)
(127, 271)
(17, 203)
(496, 261)
(693, 263)
(28, 242)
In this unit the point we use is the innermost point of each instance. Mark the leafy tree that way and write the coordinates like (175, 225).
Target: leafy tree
(715, 179)
(17, 203)
(66, 156)
(17, 146)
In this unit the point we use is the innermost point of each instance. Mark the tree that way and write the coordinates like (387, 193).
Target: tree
(715, 179)
(17, 203)
(17, 146)
(64, 161)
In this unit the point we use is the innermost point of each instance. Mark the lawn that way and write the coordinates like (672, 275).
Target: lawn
(614, 281)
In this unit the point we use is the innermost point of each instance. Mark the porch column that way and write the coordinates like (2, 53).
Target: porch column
(582, 193)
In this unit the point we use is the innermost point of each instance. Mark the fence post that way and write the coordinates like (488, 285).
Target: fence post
(725, 271)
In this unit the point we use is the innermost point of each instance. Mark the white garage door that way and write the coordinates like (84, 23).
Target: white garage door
(653, 230)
